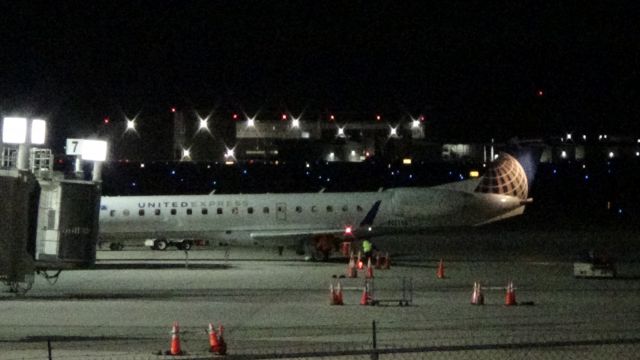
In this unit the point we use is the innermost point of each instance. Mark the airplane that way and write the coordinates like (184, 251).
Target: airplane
(317, 223)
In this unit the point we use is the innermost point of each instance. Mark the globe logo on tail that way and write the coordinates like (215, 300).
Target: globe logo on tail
(505, 176)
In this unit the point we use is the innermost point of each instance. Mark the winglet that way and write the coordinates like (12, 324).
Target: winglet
(371, 215)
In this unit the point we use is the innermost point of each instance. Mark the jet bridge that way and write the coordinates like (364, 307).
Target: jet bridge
(49, 222)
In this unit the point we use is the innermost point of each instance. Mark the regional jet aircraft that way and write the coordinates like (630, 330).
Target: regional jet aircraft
(318, 222)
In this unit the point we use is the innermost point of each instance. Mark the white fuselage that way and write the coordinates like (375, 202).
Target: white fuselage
(266, 219)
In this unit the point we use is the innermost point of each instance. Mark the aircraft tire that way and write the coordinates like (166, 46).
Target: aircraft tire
(186, 245)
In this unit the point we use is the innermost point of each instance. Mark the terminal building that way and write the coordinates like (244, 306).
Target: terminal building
(284, 138)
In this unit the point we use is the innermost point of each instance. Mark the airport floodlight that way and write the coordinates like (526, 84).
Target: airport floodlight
(295, 123)
(14, 130)
(94, 150)
(230, 153)
(611, 154)
(584, 137)
(341, 132)
(353, 153)
(38, 131)
(568, 136)
(415, 124)
(251, 122)
(186, 153)
(637, 153)
(393, 132)
(204, 124)
(131, 125)
(563, 154)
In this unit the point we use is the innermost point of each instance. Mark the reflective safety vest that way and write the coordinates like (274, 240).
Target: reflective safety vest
(366, 246)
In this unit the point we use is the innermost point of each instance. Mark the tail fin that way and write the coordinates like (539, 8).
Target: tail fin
(511, 174)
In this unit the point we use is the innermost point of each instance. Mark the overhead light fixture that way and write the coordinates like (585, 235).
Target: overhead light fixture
(14, 130)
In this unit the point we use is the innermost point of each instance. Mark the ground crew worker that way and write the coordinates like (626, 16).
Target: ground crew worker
(367, 249)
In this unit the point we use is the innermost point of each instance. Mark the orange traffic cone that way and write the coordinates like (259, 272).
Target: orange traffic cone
(440, 271)
(510, 297)
(369, 273)
(477, 298)
(360, 263)
(175, 348)
(366, 298)
(387, 262)
(352, 272)
(332, 295)
(214, 344)
(339, 300)
(223, 345)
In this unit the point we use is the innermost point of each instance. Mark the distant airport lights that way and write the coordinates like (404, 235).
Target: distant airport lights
(131, 125)
(415, 124)
(393, 131)
(341, 132)
(251, 122)
(204, 123)
(295, 123)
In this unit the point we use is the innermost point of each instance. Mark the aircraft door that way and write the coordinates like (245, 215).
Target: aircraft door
(281, 211)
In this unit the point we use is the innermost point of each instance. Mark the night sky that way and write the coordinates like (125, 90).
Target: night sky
(472, 68)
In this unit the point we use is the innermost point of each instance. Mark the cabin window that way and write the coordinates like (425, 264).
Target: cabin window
(299, 209)
(249, 210)
(359, 208)
(112, 213)
(265, 210)
(174, 211)
(314, 208)
(157, 212)
(219, 211)
(205, 211)
(141, 212)
(189, 211)
(329, 208)
(125, 212)
(345, 208)
(235, 211)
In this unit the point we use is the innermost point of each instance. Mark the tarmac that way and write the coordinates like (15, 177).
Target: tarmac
(271, 304)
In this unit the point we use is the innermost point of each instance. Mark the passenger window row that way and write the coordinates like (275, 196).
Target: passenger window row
(235, 210)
